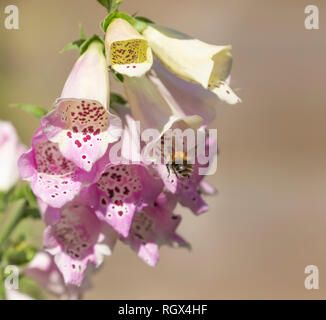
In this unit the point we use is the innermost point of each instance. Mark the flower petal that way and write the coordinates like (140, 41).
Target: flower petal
(146, 103)
(10, 149)
(128, 52)
(88, 79)
(83, 129)
(44, 271)
(149, 253)
(73, 239)
(121, 190)
(80, 122)
(188, 189)
(152, 227)
(189, 197)
(52, 177)
(206, 188)
(192, 59)
(150, 103)
(225, 93)
(188, 98)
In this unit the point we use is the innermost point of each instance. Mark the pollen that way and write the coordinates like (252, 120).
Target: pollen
(129, 51)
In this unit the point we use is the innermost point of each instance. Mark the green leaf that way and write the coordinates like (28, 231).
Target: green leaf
(108, 19)
(3, 202)
(23, 191)
(4, 198)
(86, 44)
(73, 45)
(117, 98)
(32, 213)
(37, 112)
(31, 288)
(2, 285)
(20, 254)
(105, 3)
(144, 19)
(77, 43)
(30, 197)
(115, 5)
(82, 32)
(139, 25)
(82, 44)
(110, 5)
(117, 76)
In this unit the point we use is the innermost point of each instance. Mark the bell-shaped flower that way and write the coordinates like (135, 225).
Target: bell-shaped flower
(189, 190)
(45, 272)
(54, 179)
(156, 108)
(122, 190)
(193, 60)
(127, 184)
(10, 149)
(159, 115)
(127, 51)
(153, 105)
(80, 123)
(147, 104)
(188, 98)
(153, 227)
(77, 239)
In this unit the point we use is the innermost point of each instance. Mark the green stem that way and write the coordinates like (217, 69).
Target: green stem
(1, 217)
(2, 286)
(15, 216)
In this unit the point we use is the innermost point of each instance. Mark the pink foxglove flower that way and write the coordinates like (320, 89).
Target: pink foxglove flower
(77, 239)
(45, 272)
(121, 191)
(153, 227)
(146, 94)
(81, 124)
(10, 149)
(149, 93)
(189, 191)
(127, 51)
(127, 184)
(54, 179)
(193, 60)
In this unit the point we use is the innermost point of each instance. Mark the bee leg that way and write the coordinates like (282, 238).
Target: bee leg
(175, 172)
(168, 168)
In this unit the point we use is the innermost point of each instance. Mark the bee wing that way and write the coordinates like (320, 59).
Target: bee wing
(164, 149)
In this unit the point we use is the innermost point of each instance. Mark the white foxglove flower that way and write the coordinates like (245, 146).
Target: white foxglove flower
(189, 98)
(127, 51)
(151, 103)
(193, 60)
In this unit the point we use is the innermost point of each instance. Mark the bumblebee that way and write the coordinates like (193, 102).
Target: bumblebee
(179, 165)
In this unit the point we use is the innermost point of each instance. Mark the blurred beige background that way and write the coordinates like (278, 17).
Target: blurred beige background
(269, 220)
